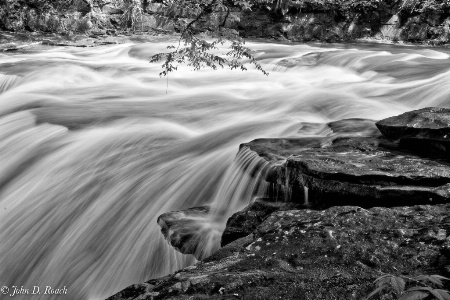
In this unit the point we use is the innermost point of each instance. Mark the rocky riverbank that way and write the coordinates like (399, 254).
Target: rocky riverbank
(298, 21)
(342, 209)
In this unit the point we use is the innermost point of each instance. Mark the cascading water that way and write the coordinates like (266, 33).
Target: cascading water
(93, 149)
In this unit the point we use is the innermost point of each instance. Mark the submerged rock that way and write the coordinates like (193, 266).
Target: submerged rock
(425, 129)
(314, 254)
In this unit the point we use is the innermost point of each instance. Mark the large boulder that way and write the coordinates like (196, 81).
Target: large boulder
(425, 129)
(314, 254)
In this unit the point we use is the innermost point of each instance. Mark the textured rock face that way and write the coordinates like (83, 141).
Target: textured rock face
(308, 20)
(330, 21)
(425, 129)
(315, 254)
(79, 16)
(361, 171)
(244, 222)
(185, 229)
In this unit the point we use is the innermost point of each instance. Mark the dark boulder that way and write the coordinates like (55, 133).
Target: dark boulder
(425, 130)
(186, 229)
(314, 254)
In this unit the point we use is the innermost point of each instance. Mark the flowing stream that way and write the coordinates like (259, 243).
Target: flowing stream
(95, 146)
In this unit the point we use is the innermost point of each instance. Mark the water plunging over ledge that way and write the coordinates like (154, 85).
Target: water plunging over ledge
(93, 150)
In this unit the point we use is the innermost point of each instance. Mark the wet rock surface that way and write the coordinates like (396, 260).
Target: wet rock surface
(351, 164)
(184, 229)
(244, 222)
(363, 171)
(276, 150)
(314, 254)
(424, 130)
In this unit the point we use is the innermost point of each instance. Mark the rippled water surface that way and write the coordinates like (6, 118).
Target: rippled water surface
(95, 146)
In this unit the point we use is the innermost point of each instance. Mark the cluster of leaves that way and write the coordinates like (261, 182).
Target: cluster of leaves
(406, 288)
(200, 53)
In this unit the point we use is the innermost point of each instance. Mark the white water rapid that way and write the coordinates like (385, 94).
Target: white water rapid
(94, 146)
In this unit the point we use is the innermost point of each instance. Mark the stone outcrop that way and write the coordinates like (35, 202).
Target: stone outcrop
(314, 254)
(185, 229)
(364, 172)
(423, 130)
(352, 165)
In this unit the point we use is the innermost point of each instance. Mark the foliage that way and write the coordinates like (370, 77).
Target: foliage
(406, 288)
(198, 52)
(192, 15)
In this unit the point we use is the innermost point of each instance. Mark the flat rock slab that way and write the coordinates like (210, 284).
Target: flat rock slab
(360, 171)
(335, 253)
(185, 229)
(363, 171)
(427, 127)
(368, 164)
(276, 150)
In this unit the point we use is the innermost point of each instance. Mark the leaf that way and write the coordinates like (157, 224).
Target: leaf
(425, 278)
(440, 294)
(419, 288)
(416, 295)
(440, 277)
(376, 291)
(398, 284)
(436, 279)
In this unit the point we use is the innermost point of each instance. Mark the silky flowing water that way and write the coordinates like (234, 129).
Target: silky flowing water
(95, 146)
